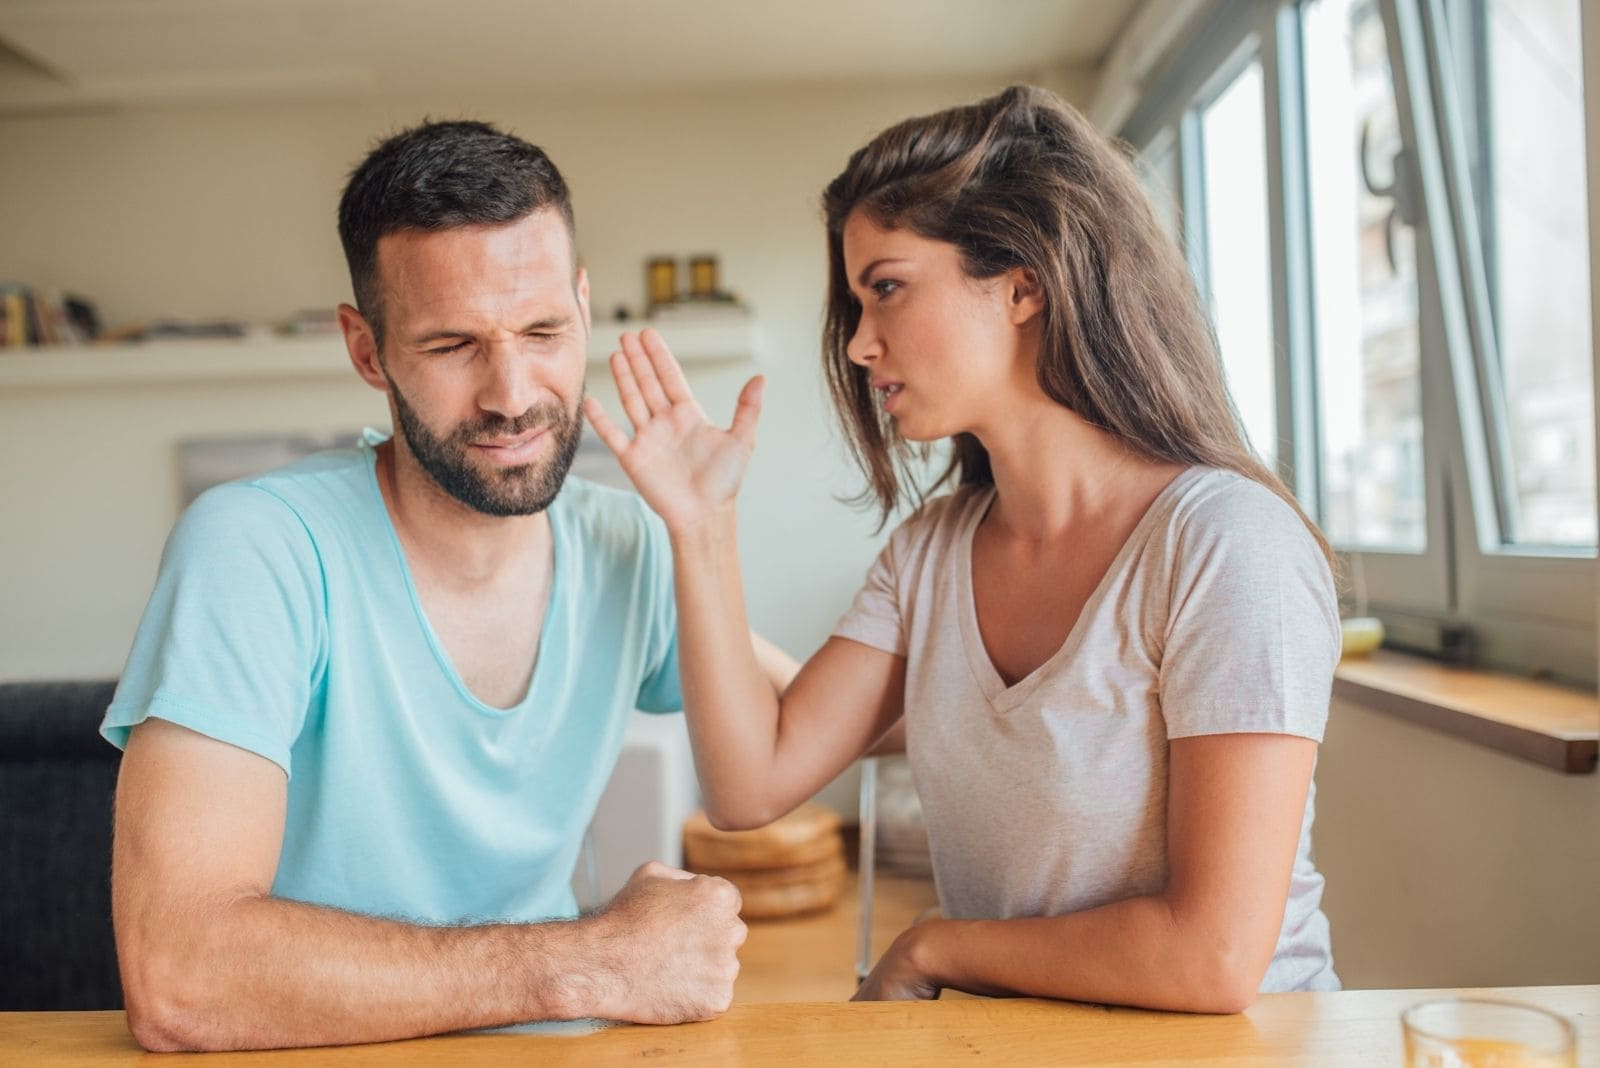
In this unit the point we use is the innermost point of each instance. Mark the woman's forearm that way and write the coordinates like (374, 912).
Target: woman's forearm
(1139, 952)
(731, 704)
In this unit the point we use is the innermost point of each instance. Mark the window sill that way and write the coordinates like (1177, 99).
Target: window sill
(1554, 726)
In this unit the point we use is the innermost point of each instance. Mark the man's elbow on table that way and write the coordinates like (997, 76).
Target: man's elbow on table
(164, 1011)
(173, 1005)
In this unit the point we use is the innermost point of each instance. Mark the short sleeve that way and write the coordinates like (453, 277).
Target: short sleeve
(1253, 626)
(232, 642)
(876, 616)
(661, 690)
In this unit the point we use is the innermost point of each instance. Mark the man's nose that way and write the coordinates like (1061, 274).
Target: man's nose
(509, 385)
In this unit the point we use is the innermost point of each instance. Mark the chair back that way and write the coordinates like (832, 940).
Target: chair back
(57, 781)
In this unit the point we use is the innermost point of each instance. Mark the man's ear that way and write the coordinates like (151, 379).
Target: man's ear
(362, 347)
(1024, 294)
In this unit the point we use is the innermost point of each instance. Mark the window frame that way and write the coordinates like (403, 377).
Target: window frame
(1527, 607)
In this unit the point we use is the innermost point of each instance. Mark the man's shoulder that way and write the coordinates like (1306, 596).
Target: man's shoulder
(335, 477)
(299, 502)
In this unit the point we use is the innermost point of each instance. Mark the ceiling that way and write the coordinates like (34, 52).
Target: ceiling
(76, 53)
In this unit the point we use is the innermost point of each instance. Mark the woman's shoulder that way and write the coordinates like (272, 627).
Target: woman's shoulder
(1221, 506)
(942, 515)
(1230, 534)
(930, 532)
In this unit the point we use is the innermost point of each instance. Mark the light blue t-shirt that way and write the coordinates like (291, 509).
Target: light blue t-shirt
(284, 621)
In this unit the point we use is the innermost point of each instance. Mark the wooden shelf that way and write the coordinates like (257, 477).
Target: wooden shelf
(164, 362)
(1555, 726)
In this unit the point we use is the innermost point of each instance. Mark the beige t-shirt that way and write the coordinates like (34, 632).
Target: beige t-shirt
(1050, 796)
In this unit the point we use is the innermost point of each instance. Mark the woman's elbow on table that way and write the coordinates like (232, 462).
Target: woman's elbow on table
(1222, 982)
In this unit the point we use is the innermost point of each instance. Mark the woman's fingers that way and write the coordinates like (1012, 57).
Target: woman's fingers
(748, 411)
(673, 384)
(644, 372)
(628, 391)
(610, 433)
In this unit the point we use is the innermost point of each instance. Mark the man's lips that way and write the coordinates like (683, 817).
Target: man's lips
(516, 449)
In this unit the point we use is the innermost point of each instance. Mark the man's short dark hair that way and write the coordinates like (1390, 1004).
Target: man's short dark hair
(437, 176)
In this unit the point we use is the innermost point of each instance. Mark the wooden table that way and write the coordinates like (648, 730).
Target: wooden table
(1358, 1027)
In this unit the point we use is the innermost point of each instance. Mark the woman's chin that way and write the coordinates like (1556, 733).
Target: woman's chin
(910, 430)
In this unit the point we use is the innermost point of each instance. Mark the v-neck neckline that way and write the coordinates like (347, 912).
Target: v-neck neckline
(441, 655)
(1001, 697)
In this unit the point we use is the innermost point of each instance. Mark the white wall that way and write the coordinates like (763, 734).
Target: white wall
(230, 211)
(1452, 865)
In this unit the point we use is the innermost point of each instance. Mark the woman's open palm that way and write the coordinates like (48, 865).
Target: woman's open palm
(683, 466)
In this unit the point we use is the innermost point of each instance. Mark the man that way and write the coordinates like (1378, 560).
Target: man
(376, 695)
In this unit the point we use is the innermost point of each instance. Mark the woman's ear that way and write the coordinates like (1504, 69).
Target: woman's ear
(1024, 294)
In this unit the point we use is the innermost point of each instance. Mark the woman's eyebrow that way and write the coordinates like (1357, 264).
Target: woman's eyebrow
(866, 272)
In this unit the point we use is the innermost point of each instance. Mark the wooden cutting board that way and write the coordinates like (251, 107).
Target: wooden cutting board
(793, 865)
(808, 834)
(777, 892)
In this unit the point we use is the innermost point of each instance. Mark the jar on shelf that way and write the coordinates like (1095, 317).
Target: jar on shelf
(661, 280)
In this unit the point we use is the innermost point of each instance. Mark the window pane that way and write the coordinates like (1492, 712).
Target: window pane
(1158, 173)
(1369, 393)
(1538, 235)
(1237, 256)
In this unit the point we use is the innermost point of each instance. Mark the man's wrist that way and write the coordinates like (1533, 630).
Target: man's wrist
(571, 974)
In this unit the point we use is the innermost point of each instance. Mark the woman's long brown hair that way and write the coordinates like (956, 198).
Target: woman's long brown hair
(1023, 180)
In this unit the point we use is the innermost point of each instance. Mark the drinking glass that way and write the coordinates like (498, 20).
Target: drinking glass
(1481, 1033)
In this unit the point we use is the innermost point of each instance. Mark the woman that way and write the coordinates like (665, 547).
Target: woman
(1111, 645)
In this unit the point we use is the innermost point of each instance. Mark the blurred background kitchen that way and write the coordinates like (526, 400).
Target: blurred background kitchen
(1385, 204)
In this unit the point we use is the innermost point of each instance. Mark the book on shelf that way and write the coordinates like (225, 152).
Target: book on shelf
(15, 310)
(38, 317)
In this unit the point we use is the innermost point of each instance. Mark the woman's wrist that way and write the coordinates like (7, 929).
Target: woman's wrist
(926, 948)
(711, 530)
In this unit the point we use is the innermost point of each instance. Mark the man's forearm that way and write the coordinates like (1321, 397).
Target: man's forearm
(264, 973)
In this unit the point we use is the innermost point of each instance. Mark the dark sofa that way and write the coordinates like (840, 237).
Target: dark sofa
(57, 777)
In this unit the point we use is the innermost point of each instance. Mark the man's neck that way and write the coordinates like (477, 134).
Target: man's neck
(452, 541)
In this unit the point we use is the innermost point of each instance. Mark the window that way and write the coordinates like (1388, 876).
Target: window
(1237, 270)
(1384, 202)
(1369, 378)
(1523, 71)
(1158, 172)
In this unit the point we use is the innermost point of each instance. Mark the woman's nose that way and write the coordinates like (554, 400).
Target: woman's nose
(864, 345)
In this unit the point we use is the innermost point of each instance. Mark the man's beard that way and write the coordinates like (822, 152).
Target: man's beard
(522, 490)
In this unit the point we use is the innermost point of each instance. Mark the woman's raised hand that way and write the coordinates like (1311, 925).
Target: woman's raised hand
(684, 467)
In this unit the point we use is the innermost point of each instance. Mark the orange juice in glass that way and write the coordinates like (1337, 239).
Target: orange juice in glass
(1481, 1033)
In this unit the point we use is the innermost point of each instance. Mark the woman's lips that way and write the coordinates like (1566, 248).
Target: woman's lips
(889, 393)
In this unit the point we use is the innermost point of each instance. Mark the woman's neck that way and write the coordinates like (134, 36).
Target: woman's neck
(1053, 471)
